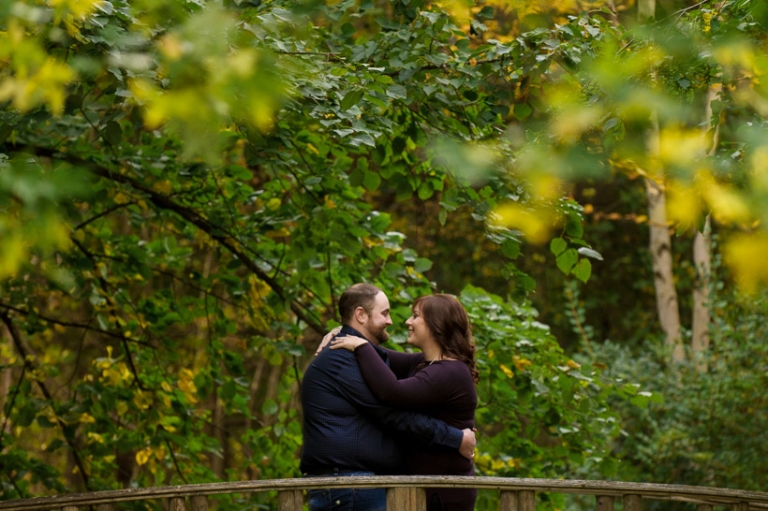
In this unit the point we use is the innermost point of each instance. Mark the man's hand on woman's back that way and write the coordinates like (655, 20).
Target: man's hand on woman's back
(468, 443)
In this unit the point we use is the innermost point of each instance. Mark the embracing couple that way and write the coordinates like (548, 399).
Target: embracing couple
(373, 411)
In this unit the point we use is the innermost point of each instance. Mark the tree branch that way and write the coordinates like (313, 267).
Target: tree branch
(25, 352)
(70, 324)
(103, 214)
(161, 201)
(11, 402)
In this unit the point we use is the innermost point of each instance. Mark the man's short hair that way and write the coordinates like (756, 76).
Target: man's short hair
(357, 295)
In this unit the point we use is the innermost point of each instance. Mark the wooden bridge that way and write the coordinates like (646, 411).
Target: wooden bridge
(405, 493)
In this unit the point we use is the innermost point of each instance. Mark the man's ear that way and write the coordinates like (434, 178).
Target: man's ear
(361, 316)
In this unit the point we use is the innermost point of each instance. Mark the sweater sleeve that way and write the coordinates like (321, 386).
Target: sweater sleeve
(401, 363)
(429, 386)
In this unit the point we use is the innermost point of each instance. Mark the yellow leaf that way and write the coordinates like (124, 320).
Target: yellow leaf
(497, 464)
(534, 223)
(279, 233)
(240, 63)
(95, 438)
(571, 123)
(187, 385)
(142, 457)
(683, 203)
(171, 47)
(745, 254)
(760, 169)
(164, 186)
(78, 8)
(87, 418)
(159, 452)
(573, 364)
(14, 253)
(678, 146)
(143, 400)
(506, 370)
(521, 363)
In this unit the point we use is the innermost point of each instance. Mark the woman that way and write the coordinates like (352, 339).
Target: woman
(439, 381)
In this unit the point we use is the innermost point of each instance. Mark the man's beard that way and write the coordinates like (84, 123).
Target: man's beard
(382, 336)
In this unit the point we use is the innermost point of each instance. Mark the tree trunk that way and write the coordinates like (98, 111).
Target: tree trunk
(660, 241)
(663, 278)
(701, 316)
(702, 261)
(6, 378)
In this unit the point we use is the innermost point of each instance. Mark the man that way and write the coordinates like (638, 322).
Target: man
(346, 431)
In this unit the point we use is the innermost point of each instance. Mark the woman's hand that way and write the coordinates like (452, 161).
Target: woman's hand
(349, 342)
(330, 335)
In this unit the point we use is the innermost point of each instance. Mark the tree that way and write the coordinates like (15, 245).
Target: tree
(184, 193)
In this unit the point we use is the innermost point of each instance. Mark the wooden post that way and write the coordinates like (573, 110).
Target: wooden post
(704, 507)
(407, 499)
(526, 500)
(105, 507)
(289, 500)
(605, 503)
(70, 508)
(508, 501)
(198, 503)
(633, 503)
(740, 506)
(176, 504)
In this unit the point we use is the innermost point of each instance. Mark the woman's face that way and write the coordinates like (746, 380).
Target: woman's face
(418, 333)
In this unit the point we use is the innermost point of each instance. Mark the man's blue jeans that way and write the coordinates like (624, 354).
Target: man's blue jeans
(348, 499)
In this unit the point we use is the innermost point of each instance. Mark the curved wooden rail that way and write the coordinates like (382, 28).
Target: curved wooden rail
(406, 493)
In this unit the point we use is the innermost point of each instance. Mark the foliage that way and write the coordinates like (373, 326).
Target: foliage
(700, 434)
(186, 187)
(184, 196)
(542, 414)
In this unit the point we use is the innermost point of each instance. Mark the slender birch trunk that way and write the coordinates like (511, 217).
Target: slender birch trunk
(663, 278)
(701, 315)
(703, 263)
(660, 244)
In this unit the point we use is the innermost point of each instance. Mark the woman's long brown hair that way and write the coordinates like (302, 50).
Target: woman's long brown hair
(448, 323)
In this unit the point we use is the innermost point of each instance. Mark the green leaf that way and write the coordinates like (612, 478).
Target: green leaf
(557, 246)
(270, 407)
(55, 444)
(610, 123)
(567, 260)
(364, 139)
(397, 92)
(422, 264)
(113, 133)
(582, 270)
(641, 400)
(522, 111)
(228, 390)
(351, 99)
(371, 180)
(573, 225)
(425, 191)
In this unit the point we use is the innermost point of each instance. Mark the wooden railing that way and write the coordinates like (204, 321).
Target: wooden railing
(405, 493)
